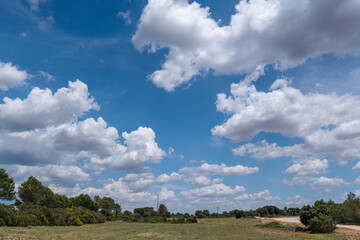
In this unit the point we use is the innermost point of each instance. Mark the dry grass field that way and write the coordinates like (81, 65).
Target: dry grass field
(205, 229)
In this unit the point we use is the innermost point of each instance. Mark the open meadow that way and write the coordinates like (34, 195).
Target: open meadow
(229, 228)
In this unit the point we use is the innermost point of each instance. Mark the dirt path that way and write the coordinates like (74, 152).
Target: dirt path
(297, 220)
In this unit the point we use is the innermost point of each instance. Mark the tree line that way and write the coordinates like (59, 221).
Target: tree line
(36, 204)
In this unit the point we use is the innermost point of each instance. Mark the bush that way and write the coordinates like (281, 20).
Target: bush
(306, 214)
(191, 219)
(2, 222)
(322, 224)
(240, 214)
(77, 222)
(178, 220)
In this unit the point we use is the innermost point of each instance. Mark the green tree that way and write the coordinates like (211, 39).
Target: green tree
(7, 186)
(62, 201)
(163, 210)
(85, 201)
(306, 214)
(33, 192)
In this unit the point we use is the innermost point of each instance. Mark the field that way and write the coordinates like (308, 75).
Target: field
(205, 229)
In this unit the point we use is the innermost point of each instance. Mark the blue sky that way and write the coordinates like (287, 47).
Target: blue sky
(208, 103)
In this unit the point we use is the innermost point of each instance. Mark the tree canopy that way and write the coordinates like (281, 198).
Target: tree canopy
(33, 192)
(7, 186)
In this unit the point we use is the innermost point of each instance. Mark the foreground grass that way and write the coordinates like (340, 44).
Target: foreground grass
(205, 229)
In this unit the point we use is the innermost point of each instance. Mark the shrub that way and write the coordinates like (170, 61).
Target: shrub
(191, 219)
(306, 214)
(77, 222)
(322, 224)
(2, 222)
(240, 214)
(178, 220)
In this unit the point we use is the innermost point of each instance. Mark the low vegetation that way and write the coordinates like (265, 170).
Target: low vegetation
(36, 205)
(322, 216)
(207, 228)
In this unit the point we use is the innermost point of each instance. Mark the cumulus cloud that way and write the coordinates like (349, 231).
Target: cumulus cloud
(255, 196)
(89, 138)
(166, 194)
(44, 129)
(131, 191)
(203, 180)
(283, 109)
(326, 184)
(259, 199)
(55, 175)
(222, 169)
(305, 170)
(11, 76)
(323, 183)
(213, 190)
(308, 167)
(261, 32)
(140, 148)
(327, 123)
(263, 150)
(62, 143)
(297, 201)
(164, 178)
(42, 108)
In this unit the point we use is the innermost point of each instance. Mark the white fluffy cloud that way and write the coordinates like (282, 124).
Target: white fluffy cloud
(44, 128)
(261, 32)
(55, 175)
(59, 143)
(328, 124)
(297, 201)
(222, 169)
(305, 171)
(11, 76)
(326, 184)
(140, 148)
(42, 108)
(259, 199)
(214, 190)
(130, 191)
(89, 138)
(263, 150)
(323, 183)
(164, 178)
(308, 167)
(283, 109)
(203, 180)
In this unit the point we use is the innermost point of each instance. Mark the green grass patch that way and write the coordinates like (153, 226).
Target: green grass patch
(276, 225)
(228, 229)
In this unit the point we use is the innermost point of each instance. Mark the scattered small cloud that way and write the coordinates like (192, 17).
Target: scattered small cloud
(23, 34)
(46, 23)
(47, 76)
(125, 16)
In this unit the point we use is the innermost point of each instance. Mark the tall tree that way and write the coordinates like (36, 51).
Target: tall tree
(7, 186)
(32, 191)
(163, 210)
